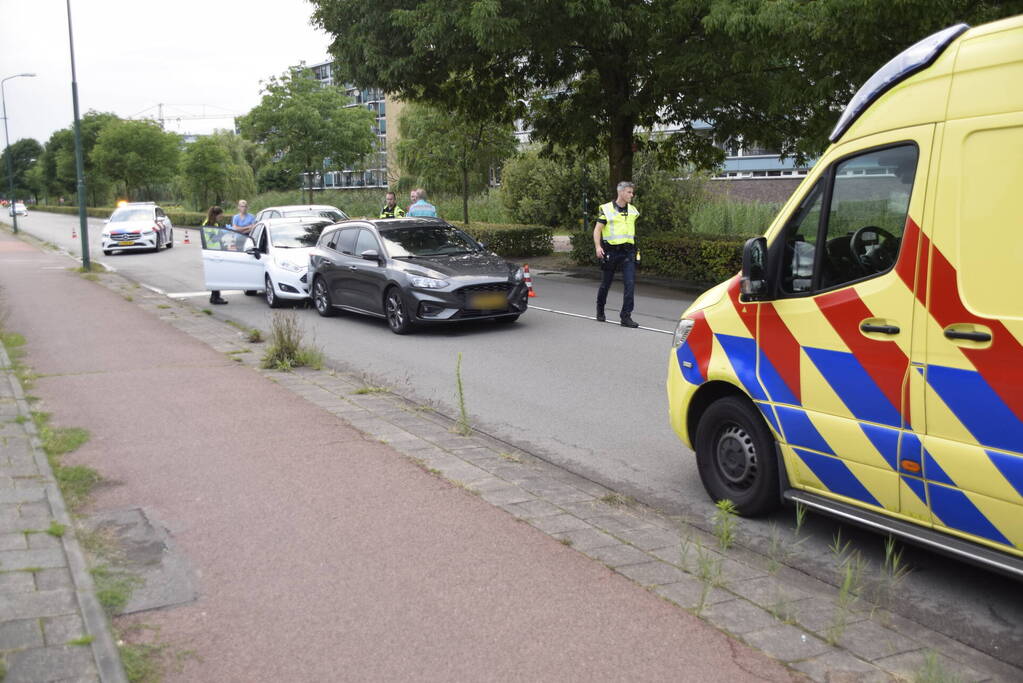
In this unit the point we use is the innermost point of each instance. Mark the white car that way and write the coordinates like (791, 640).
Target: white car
(19, 208)
(273, 257)
(137, 225)
(332, 213)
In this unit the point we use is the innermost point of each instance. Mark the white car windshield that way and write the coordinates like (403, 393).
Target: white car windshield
(296, 235)
(125, 215)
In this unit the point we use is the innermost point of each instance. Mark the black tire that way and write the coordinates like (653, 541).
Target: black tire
(251, 292)
(170, 239)
(272, 300)
(507, 319)
(736, 457)
(398, 318)
(321, 299)
(108, 252)
(159, 243)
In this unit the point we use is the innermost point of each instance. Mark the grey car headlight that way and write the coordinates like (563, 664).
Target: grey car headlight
(427, 282)
(682, 330)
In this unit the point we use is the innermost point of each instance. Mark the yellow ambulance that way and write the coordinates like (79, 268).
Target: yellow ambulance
(868, 360)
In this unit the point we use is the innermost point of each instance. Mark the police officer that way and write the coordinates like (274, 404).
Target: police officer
(211, 240)
(614, 238)
(391, 208)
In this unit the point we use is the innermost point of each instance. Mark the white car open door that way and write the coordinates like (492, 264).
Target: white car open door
(230, 260)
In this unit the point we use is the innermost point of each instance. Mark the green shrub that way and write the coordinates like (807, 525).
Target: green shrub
(679, 256)
(549, 191)
(741, 219)
(512, 240)
(177, 217)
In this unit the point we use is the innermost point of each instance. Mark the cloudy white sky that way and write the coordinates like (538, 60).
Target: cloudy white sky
(194, 56)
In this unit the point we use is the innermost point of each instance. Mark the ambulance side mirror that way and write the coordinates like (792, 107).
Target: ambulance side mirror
(754, 286)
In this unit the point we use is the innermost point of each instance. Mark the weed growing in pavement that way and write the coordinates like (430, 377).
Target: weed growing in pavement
(617, 499)
(511, 457)
(933, 671)
(800, 517)
(565, 541)
(708, 570)
(850, 588)
(143, 661)
(113, 588)
(782, 610)
(369, 390)
(725, 521)
(837, 548)
(780, 550)
(84, 640)
(56, 529)
(162, 305)
(255, 336)
(20, 419)
(75, 481)
(463, 427)
(207, 311)
(129, 297)
(287, 349)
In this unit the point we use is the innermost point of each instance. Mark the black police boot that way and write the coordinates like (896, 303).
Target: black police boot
(627, 321)
(600, 314)
(219, 300)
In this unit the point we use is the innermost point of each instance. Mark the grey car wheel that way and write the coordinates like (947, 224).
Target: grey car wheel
(272, 300)
(321, 299)
(397, 315)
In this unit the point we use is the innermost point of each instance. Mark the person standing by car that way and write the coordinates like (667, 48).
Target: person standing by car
(614, 238)
(422, 207)
(391, 208)
(243, 220)
(212, 239)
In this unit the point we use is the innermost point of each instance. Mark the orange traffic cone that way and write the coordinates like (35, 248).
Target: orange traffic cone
(187, 241)
(529, 280)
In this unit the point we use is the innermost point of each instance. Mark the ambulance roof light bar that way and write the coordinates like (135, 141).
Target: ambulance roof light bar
(911, 60)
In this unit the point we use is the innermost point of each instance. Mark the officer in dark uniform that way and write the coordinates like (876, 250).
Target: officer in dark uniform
(391, 208)
(614, 239)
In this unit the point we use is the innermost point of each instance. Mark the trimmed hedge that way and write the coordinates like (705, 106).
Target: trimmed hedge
(511, 239)
(679, 256)
(180, 219)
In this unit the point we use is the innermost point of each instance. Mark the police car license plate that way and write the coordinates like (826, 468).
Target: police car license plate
(125, 244)
(488, 302)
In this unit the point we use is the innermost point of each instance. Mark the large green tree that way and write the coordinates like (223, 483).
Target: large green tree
(138, 154)
(22, 155)
(450, 151)
(587, 74)
(302, 123)
(214, 168)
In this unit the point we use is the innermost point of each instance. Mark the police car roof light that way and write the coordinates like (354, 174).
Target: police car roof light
(911, 60)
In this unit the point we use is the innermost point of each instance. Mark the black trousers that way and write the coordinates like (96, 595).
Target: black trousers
(617, 256)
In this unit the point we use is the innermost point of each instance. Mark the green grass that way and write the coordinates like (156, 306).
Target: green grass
(286, 349)
(725, 522)
(618, 499)
(163, 306)
(76, 481)
(113, 588)
(84, 640)
(744, 219)
(56, 529)
(207, 311)
(933, 671)
(370, 390)
(464, 427)
(255, 336)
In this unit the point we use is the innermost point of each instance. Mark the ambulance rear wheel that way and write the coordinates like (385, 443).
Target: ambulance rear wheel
(736, 458)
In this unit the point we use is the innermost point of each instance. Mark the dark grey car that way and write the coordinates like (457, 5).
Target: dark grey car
(412, 271)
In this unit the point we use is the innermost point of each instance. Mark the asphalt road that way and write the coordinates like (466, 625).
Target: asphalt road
(586, 396)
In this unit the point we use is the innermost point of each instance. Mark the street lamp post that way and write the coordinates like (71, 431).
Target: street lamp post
(79, 163)
(7, 139)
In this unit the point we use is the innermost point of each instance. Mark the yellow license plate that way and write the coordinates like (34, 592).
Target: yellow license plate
(488, 302)
(125, 244)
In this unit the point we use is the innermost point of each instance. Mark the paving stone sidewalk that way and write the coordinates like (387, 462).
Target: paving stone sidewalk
(791, 616)
(52, 627)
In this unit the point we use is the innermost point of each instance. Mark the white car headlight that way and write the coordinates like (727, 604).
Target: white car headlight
(427, 282)
(289, 265)
(682, 330)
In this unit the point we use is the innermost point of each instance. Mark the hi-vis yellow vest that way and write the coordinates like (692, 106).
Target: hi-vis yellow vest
(618, 229)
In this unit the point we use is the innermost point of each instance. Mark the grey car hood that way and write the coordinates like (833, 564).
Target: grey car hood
(477, 264)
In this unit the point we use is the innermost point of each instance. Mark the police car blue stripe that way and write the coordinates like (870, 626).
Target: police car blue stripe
(1011, 467)
(741, 352)
(978, 407)
(957, 511)
(934, 472)
(885, 440)
(776, 386)
(799, 431)
(836, 476)
(768, 412)
(910, 448)
(690, 372)
(854, 386)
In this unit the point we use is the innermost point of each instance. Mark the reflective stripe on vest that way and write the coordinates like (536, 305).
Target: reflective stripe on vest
(619, 229)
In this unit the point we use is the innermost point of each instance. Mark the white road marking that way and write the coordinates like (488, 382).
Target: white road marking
(192, 295)
(151, 288)
(589, 317)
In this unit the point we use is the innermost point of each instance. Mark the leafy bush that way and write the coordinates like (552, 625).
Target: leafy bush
(512, 240)
(179, 219)
(680, 256)
(549, 191)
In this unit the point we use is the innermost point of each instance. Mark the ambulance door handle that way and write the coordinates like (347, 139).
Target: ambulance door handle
(970, 336)
(883, 329)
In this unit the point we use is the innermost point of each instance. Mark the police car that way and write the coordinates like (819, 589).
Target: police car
(137, 226)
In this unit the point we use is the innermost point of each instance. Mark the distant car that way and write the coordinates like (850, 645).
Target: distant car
(137, 225)
(332, 213)
(273, 257)
(19, 208)
(412, 271)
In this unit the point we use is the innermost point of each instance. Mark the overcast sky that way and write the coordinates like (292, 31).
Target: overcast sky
(194, 56)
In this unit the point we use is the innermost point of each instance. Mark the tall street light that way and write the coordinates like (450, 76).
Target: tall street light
(79, 163)
(7, 139)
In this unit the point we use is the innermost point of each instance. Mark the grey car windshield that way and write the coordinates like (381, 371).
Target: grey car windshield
(427, 241)
(296, 235)
(125, 215)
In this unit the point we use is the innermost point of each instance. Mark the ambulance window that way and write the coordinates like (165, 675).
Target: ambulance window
(990, 239)
(801, 243)
(867, 216)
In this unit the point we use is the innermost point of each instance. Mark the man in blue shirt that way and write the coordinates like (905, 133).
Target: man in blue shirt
(243, 220)
(422, 207)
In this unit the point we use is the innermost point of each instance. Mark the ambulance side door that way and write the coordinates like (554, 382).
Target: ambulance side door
(834, 345)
